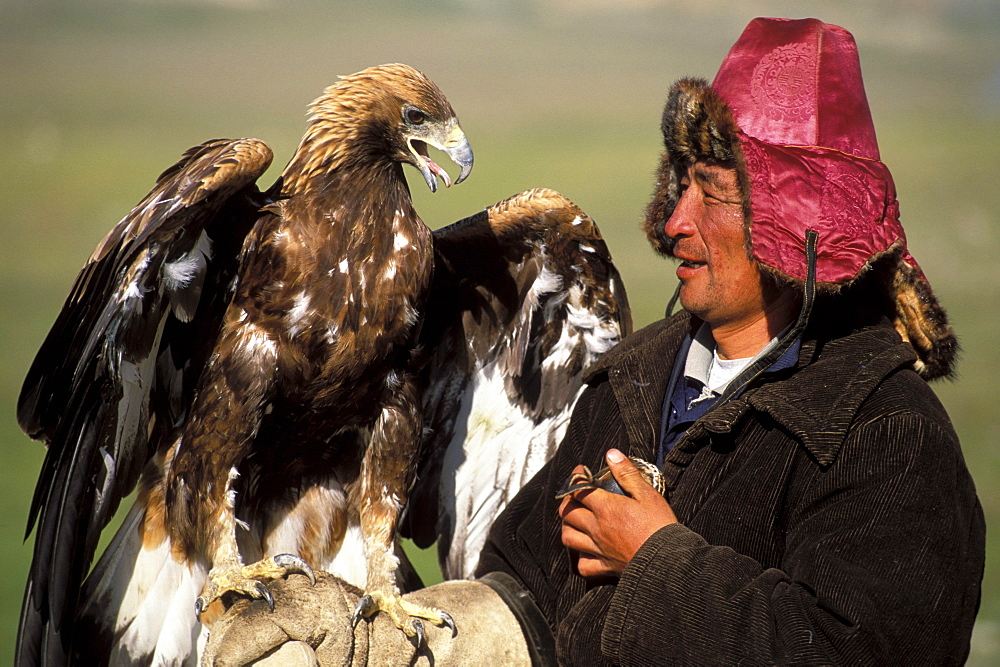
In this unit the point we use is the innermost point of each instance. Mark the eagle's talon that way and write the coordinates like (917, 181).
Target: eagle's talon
(248, 580)
(418, 633)
(200, 605)
(366, 607)
(404, 614)
(292, 563)
(262, 591)
(448, 622)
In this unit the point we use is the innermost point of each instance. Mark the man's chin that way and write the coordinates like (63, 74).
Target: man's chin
(688, 301)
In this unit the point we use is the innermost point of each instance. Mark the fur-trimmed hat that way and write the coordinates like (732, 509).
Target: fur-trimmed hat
(788, 110)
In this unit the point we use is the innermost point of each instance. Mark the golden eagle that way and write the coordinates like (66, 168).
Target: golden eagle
(260, 364)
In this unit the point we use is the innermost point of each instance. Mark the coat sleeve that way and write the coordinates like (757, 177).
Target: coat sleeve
(883, 560)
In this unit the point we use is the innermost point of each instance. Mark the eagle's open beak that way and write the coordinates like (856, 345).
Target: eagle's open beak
(455, 146)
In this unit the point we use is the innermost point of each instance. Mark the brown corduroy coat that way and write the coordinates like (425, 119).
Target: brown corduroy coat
(826, 517)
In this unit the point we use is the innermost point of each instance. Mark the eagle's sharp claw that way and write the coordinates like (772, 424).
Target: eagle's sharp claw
(449, 622)
(418, 636)
(248, 580)
(404, 614)
(366, 607)
(292, 563)
(263, 592)
(199, 607)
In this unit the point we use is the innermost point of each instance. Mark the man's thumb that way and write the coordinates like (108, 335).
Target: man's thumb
(625, 473)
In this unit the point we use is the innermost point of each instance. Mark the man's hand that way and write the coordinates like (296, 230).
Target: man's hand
(606, 528)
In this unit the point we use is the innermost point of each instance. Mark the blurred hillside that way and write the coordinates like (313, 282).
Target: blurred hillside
(98, 97)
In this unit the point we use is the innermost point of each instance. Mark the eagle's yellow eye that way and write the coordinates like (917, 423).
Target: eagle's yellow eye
(415, 116)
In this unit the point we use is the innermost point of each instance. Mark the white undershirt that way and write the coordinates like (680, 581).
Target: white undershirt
(722, 371)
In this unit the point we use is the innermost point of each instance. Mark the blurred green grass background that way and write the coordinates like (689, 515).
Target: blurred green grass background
(96, 98)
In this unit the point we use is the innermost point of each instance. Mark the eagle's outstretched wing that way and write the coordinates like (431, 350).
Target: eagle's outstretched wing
(525, 297)
(109, 382)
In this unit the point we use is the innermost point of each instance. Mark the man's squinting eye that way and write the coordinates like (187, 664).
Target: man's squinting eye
(715, 195)
(415, 116)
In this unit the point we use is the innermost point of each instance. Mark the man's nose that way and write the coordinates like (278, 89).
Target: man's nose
(681, 221)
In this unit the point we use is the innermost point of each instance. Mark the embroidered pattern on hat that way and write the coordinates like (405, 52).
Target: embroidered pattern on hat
(759, 170)
(781, 83)
(847, 203)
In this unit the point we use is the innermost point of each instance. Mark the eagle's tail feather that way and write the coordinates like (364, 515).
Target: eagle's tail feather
(148, 617)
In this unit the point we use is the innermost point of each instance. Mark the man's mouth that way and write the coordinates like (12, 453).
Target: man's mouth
(689, 268)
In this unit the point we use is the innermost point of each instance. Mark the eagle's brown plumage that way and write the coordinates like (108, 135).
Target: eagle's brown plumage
(289, 406)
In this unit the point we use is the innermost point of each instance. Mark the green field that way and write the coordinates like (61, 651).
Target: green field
(99, 97)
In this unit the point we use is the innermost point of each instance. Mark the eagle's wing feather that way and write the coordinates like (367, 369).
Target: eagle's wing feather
(525, 297)
(110, 379)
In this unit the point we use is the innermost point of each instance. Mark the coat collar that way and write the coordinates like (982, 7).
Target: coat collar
(816, 402)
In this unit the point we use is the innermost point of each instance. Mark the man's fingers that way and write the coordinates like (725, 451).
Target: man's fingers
(578, 526)
(575, 514)
(575, 499)
(574, 538)
(592, 566)
(626, 474)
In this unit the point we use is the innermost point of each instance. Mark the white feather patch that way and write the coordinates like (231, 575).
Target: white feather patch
(230, 491)
(494, 452)
(257, 343)
(350, 563)
(599, 335)
(180, 272)
(298, 316)
(152, 611)
(547, 282)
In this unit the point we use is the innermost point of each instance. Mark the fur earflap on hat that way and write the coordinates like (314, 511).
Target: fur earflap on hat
(788, 111)
(697, 126)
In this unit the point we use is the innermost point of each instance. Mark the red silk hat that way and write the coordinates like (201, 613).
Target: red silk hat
(788, 111)
(795, 90)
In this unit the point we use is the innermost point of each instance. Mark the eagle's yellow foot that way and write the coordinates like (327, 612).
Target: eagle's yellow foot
(405, 615)
(246, 579)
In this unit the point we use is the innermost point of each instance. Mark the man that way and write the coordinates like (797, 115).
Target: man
(818, 508)
(740, 312)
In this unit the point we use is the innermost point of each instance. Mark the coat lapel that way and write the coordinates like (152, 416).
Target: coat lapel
(638, 373)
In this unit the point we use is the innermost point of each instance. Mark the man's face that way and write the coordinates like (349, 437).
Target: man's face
(719, 283)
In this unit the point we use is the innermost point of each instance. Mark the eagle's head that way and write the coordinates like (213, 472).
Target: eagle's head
(384, 115)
